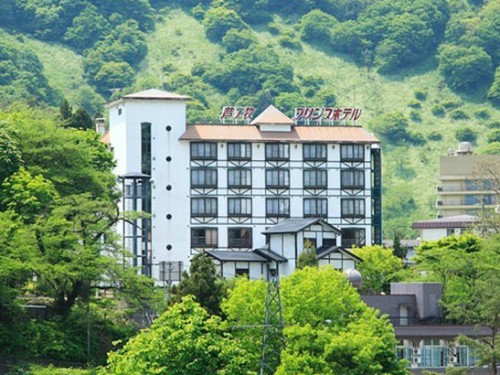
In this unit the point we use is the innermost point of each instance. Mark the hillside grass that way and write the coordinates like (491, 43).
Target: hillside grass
(179, 42)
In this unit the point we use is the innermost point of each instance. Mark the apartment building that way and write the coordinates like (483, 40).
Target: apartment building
(468, 183)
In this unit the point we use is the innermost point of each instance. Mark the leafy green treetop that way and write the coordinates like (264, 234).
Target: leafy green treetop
(184, 340)
(328, 329)
(379, 268)
(308, 257)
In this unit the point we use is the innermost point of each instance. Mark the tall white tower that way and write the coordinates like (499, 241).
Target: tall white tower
(144, 132)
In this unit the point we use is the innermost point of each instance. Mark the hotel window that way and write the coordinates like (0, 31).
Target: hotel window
(314, 152)
(239, 207)
(203, 151)
(146, 148)
(353, 236)
(315, 207)
(203, 237)
(204, 207)
(472, 200)
(277, 151)
(352, 153)
(352, 179)
(278, 207)
(315, 179)
(239, 151)
(277, 178)
(489, 199)
(353, 208)
(204, 178)
(239, 237)
(239, 177)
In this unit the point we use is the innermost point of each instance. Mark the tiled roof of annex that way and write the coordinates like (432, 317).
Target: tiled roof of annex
(273, 116)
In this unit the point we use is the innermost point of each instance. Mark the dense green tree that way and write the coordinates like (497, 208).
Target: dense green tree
(379, 268)
(393, 127)
(201, 282)
(218, 21)
(113, 76)
(10, 156)
(249, 70)
(235, 40)
(184, 340)
(468, 267)
(81, 120)
(465, 68)
(494, 91)
(22, 74)
(316, 26)
(328, 329)
(407, 40)
(488, 30)
(56, 240)
(88, 28)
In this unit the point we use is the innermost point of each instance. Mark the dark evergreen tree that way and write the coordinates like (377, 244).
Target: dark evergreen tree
(81, 120)
(203, 283)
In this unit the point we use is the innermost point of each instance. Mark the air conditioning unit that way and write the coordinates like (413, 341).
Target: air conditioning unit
(415, 360)
(439, 202)
(415, 352)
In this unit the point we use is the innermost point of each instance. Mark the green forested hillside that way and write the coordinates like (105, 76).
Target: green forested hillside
(422, 71)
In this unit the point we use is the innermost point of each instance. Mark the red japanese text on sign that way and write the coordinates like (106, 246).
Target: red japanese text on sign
(233, 113)
(329, 114)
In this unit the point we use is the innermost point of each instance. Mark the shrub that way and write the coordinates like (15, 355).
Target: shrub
(466, 134)
(494, 125)
(482, 114)
(434, 136)
(494, 136)
(414, 104)
(420, 95)
(494, 91)
(198, 12)
(415, 116)
(438, 110)
(450, 103)
(288, 41)
(459, 114)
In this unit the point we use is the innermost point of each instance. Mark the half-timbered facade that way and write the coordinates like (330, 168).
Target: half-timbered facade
(220, 187)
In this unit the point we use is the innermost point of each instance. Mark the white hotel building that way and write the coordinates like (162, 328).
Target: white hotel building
(247, 194)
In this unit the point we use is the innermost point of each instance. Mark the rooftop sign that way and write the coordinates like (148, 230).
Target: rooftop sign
(233, 114)
(318, 115)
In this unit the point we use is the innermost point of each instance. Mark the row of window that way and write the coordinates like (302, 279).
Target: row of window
(207, 237)
(276, 178)
(275, 151)
(276, 207)
(242, 237)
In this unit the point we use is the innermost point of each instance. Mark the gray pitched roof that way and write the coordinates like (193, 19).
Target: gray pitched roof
(295, 225)
(236, 256)
(459, 221)
(270, 255)
(323, 251)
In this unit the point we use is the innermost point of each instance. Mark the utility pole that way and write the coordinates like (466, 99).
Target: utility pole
(272, 336)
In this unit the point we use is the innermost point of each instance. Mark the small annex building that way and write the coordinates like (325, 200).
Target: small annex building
(285, 242)
(435, 229)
